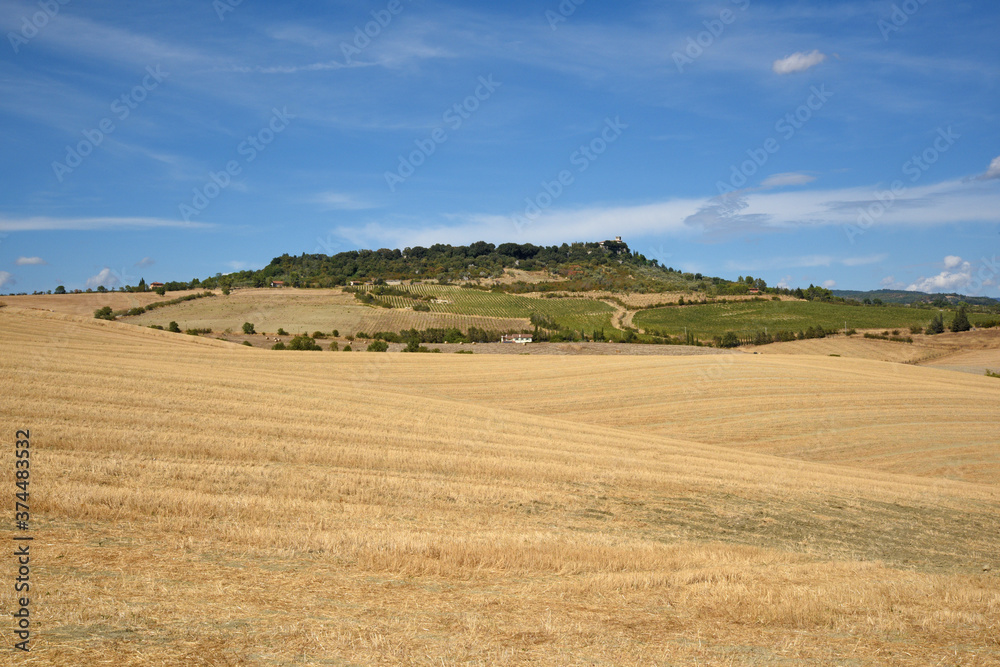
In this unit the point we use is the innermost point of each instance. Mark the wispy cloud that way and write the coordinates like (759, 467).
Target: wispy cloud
(30, 261)
(145, 261)
(6, 278)
(798, 62)
(341, 201)
(784, 180)
(43, 223)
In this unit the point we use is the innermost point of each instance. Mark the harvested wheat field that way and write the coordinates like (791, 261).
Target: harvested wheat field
(198, 502)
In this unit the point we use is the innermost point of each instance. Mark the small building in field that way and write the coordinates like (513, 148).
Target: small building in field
(523, 339)
(355, 283)
(753, 290)
(277, 283)
(155, 285)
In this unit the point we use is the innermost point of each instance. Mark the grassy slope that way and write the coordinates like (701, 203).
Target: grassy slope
(751, 316)
(199, 503)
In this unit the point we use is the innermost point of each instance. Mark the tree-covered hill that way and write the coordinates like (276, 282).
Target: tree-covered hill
(606, 265)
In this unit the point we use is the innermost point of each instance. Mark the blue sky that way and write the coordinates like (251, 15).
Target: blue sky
(853, 144)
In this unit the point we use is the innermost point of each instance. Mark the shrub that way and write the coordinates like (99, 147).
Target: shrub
(334, 346)
(278, 346)
(156, 326)
(173, 327)
(347, 348)
(135, 311)
(282, 332)
(248, 328)
(318, 335)
(161, 290)
(247, 343)
(378, 346)
(916, 329)
(992, 374)
(195, 332)
(936, 326)
(465, 352)
(421, 307)
(336, 334)
(104, 313)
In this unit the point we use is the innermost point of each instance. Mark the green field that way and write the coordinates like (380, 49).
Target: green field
(569, 313)
(748, 317)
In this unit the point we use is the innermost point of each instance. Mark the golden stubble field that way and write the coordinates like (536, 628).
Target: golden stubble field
(196, 502)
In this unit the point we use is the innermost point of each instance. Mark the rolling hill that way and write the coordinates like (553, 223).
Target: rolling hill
(197, 502)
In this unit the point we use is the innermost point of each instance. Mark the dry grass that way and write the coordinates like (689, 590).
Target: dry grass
(307, 310)
(198, 502)
(85, 304)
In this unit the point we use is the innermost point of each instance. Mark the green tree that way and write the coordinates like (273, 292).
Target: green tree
(278, 346)
(173, 327)
(60, 289)
(961, 321)
(378, 346)
(104, 313)
(729, 339)
(248, 328)
(161, 290)
(334, 346)
(282, 332)
(142, 285)
(248, 343)
(102, 289)
(936, 326)
(303, 342)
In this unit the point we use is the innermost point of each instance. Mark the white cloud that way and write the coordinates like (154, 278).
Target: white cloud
(829, 284)
(993, 171)
(782, 180)
(931, 205)
(43, 223)
(798, 62)
(951, 261)
(341, 201)
(6, 279)
(956, 276)
(106, 277)
(145, 261)
(30, 261)
(785, 283)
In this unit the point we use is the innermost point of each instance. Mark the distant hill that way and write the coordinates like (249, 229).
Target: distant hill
(581, 267)
(907, 297)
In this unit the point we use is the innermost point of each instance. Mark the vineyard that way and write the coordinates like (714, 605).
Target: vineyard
(568, 313)
(748, 317)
